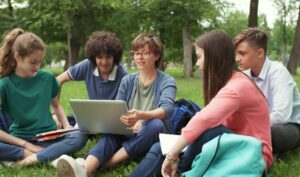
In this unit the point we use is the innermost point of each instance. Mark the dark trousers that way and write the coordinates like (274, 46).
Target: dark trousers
(5, 121)
(150, 166)
(136, 145)
(285, 137)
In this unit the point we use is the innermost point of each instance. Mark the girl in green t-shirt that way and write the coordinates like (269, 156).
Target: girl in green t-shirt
(26, 94)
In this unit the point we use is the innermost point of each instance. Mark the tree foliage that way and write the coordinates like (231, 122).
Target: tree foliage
(65, 25)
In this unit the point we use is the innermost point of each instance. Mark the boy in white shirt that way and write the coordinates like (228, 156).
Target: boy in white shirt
(277, 85)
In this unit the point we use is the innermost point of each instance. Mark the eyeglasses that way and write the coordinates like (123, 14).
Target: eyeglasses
(144, 53)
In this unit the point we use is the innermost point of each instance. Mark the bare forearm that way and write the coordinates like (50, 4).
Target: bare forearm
(64, 77)
(59, 112)
(7, 138)
(177, 148)
(153, 114)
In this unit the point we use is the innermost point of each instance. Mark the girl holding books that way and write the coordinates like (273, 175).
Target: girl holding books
(26, 94)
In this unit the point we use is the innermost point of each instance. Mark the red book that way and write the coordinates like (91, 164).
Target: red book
(53, 134)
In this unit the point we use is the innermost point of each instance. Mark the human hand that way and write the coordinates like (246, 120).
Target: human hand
(137, 127)
(131, 117)
(32, 148)
(169, 166)
(69, 127)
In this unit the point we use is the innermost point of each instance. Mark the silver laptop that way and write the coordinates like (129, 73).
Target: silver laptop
(100, 116)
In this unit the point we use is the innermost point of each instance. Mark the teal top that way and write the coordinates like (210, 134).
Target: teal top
(27, 101)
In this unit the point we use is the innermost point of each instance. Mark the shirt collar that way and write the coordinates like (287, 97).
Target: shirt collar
(263, 73)
(112, 75)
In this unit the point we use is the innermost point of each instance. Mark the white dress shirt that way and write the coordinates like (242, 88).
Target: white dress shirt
(281, 91)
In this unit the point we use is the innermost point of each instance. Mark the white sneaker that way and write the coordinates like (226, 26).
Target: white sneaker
(8, 163)
(68, 167)
(80, 161)
(53, 163)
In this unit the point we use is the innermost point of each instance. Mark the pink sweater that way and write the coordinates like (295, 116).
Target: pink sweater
(239, 106)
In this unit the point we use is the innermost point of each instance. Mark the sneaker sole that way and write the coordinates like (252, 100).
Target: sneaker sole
(64, 169)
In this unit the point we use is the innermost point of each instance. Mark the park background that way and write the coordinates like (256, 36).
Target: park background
(65, 25)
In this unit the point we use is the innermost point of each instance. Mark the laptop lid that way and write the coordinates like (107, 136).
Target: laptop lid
(100, 116)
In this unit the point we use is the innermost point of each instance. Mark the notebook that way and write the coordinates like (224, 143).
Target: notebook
(50, 135)
(100, 116)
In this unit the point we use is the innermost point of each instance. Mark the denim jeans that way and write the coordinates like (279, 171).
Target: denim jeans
(150, 166)
(5, 121)
(10, 152)
(70, 143)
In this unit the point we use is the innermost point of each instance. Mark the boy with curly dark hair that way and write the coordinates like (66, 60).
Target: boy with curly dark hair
(101, 71)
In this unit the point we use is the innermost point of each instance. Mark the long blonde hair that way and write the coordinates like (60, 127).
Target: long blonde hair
(20, 41)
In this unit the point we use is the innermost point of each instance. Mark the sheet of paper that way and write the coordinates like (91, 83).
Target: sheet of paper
(167, 141)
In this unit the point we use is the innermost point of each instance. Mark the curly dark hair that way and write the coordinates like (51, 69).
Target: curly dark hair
(103, 43)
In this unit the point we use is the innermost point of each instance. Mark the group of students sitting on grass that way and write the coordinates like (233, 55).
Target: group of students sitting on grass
(259, 106)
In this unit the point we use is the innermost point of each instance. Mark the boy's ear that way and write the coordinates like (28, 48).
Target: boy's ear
(261, 53)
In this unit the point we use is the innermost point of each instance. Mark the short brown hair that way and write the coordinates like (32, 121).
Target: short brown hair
(255, 37)
(103, 43)
(155, 45)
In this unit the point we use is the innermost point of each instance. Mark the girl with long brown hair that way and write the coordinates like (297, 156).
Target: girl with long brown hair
(26, 94)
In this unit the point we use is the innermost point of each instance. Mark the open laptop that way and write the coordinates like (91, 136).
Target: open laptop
(100, 116)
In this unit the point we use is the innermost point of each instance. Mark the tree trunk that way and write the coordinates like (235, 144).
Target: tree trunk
(252, 19)
(295, 53)
(74, 42)
(187, 52)
(10, 9)
(284, 35)
(162, 62)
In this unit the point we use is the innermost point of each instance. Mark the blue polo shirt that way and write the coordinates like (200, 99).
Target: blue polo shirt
(97, 88)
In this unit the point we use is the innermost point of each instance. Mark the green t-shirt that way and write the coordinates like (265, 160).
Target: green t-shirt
(27, 101)
(143, 97)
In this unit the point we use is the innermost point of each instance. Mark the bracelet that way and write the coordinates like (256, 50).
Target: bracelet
(169, 158)
(52, 113)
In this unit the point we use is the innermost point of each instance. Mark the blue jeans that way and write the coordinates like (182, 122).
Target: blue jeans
(136, 145)
(150, 166)
(5, 122)
(70, 143)
(10, 152)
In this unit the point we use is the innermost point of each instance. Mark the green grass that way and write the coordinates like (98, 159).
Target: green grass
(288, 164)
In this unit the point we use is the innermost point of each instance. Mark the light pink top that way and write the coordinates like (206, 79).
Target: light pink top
(239, 106)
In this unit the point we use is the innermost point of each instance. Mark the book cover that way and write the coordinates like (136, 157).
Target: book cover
(53, 134)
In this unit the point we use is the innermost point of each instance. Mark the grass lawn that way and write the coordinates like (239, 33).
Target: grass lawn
(288, 165)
